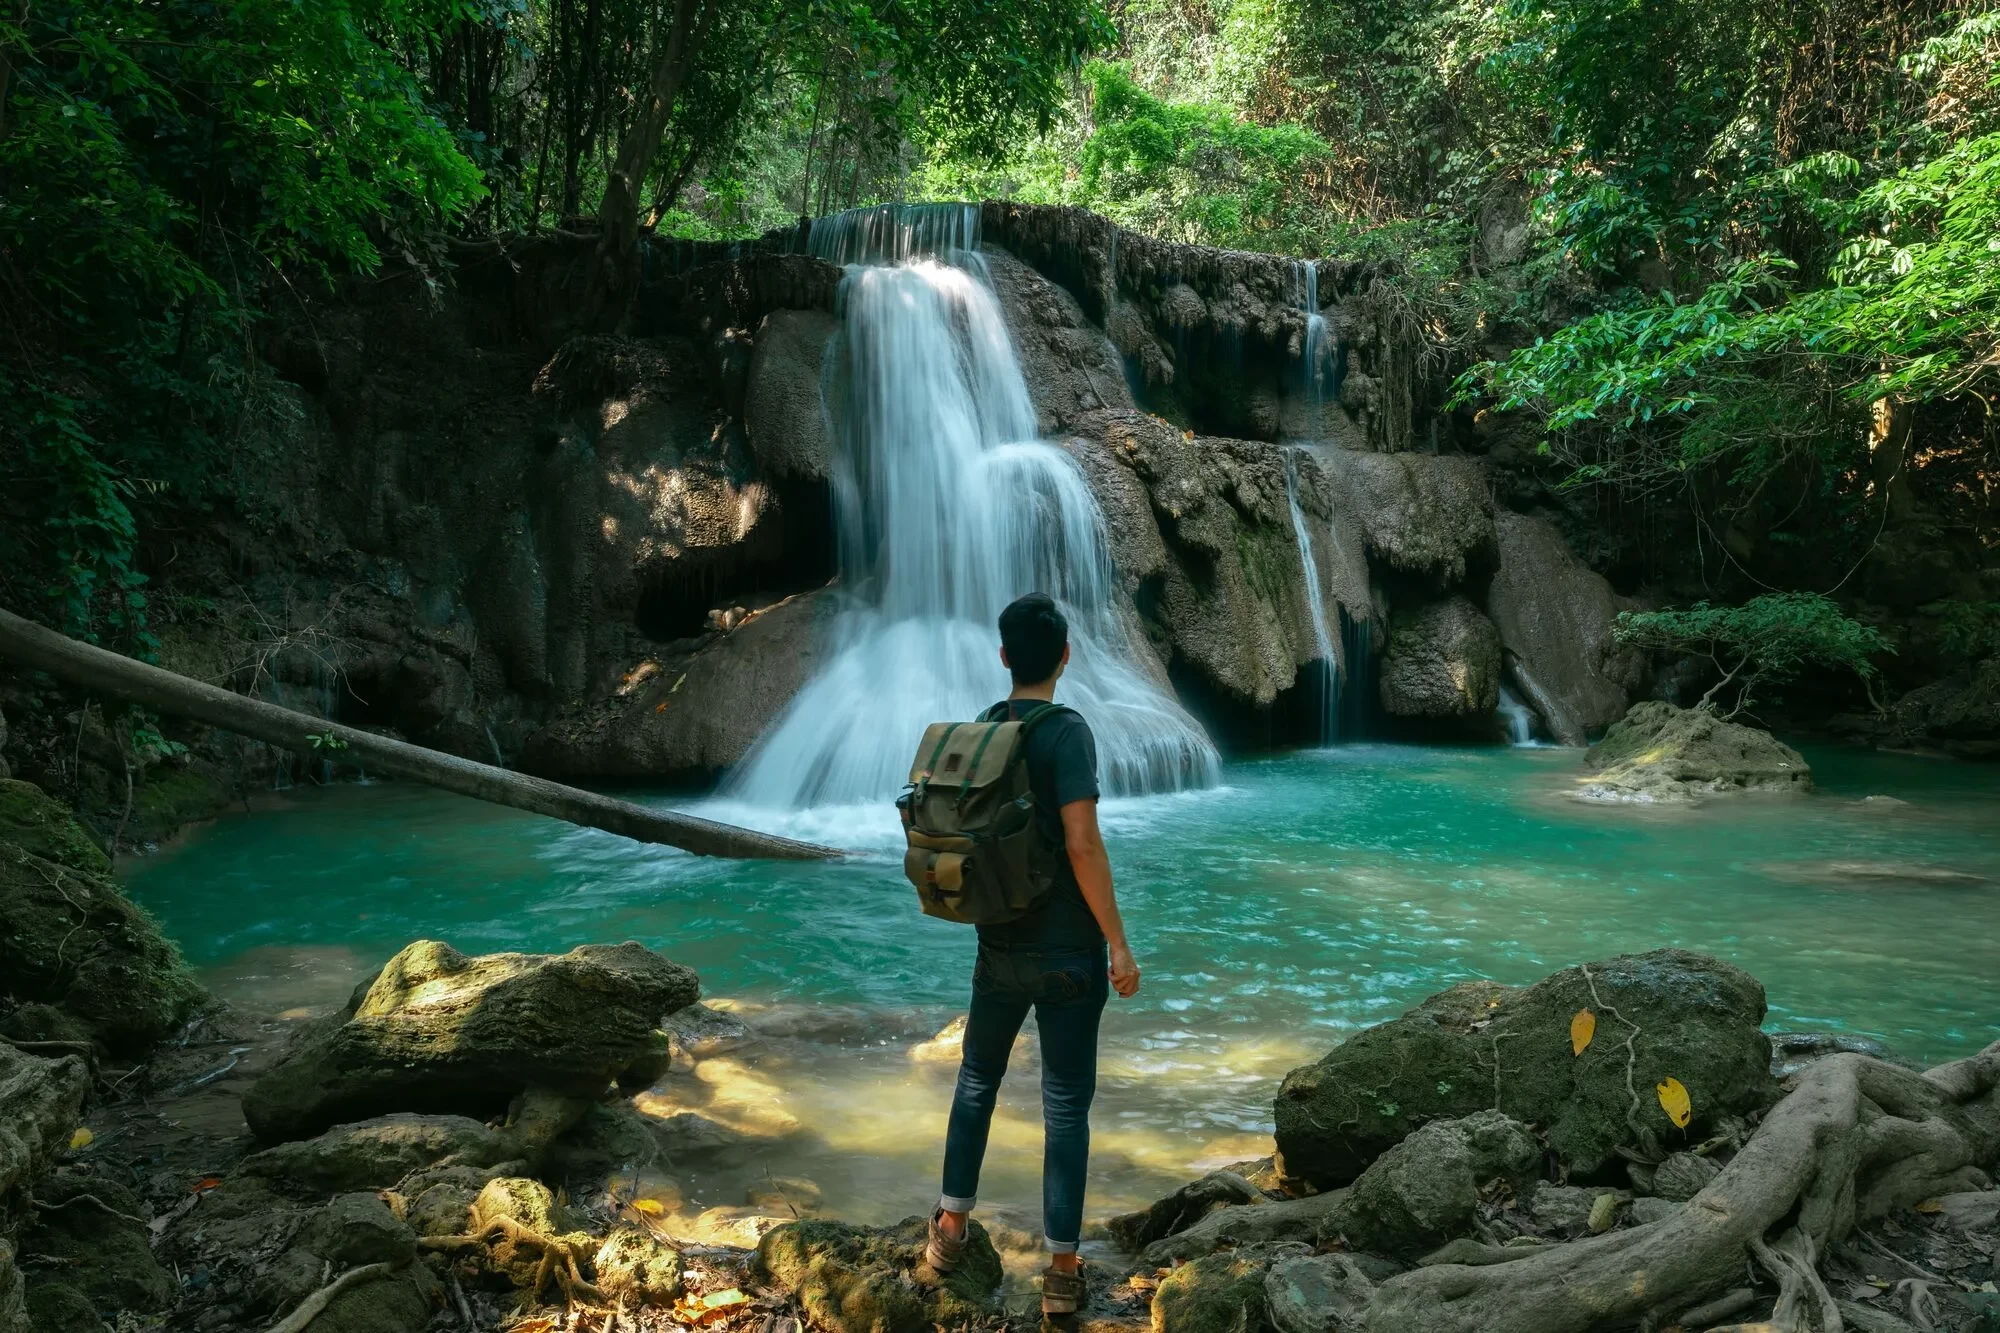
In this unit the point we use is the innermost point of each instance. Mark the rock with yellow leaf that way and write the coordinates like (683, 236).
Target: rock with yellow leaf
(1666, 1014)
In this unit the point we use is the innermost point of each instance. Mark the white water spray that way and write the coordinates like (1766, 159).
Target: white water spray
(949, 507)
(1518, 717)
(1313, 355)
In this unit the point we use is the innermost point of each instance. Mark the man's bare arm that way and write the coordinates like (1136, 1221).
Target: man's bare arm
(1093, 875)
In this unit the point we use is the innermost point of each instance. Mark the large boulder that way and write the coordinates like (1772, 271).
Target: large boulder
(1424, 514)
(1481, 1046)
(1660, 753)
(1425, 1190)
(1442, 661)
(1959, 715)
(872, 1280)
(70, 939)
(1222, 1292)
(435, 1031)
(1555, 615)
(784, 414)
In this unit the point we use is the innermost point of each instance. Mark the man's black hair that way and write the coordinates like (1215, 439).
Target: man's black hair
(1034, 633)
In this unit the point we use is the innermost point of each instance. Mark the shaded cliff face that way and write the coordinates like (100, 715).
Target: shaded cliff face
(611, 555)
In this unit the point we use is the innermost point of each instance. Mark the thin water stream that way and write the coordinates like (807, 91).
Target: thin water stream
(1304, 897)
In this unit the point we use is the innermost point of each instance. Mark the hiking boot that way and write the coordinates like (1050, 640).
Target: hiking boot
(942, 1250)
(1062, 1292)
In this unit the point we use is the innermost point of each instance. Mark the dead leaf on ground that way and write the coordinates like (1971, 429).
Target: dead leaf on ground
(1675, 1102)
(1581, 1029)
(80, 1140)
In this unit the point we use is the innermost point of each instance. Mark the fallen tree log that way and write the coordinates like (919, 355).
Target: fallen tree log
(109, 673)
(1856, 1138)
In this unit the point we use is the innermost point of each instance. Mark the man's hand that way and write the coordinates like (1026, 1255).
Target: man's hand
(1124, 972)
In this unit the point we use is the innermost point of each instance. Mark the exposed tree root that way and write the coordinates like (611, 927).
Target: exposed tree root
(557, 1263)
(1856, 1139)
(312, 1306)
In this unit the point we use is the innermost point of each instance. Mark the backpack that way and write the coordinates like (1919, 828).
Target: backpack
(976, 853)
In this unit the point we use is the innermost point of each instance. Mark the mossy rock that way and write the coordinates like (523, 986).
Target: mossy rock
(32, 819)
(637, 1267)
(526, 1205)
(170, 799)
(1221, 1293)
(58, 1305)
(1699, 1020)
(70, 939)
(106, 1258)
(1658, 753)
(873, 1280)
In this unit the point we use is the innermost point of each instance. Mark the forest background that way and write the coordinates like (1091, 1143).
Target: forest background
(1722, 276)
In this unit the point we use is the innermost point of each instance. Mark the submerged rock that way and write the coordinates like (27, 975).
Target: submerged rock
(1443, 660)
(1320, 1293)
(1660, 753)
(1425, 1190)
(435, 1031)
(872, 1280)
(69, 938)
(1555, 616)
(1698, 1020)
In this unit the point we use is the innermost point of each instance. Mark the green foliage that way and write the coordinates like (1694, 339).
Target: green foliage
(1968, 630)
(1766, 641)
(161, 167)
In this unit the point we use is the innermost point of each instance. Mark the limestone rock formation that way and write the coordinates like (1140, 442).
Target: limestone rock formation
(866, 1280)
(1691, 1017)
(1442, 661)
(1069, 364)
(435, 1031)
(692, 715)
(1660, 753)
(1424, 514)
(1425, 1190)
(1555, 616)
(784, 415)
(69, 938)
(376, 1154)
(1959, 715)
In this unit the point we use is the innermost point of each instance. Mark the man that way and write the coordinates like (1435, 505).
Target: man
(1060, 960)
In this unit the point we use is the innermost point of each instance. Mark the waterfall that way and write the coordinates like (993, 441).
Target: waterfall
(1316, 603)
(948, 508)
(1314, 359)
(1518, 717)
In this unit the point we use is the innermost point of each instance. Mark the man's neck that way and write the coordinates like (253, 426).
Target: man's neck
(1042, 693)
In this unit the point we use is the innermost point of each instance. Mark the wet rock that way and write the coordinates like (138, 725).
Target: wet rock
(1070, 366)
(700, 1031)
(106, 1257)
(636, 1266)
(1310, 1220)
(70, 939)
(1182, 1209)
(1425, 1190)
(1699, 1021)
(786, 1195)
(1443, 660)
(1555, 616)
(866, 1280)
(741, 1227)
(1320, 1293)
(437, 1032)
(783, 416)
(40, 1103)
(375, 1154)
(1563, 1209)
(1421, 513)
(607, 1137)
(1221, 1292)
(685, 1135)
(1645, 1211)
(438, 1201)
(1793, 1051)
(1661, 754)
(1682, 1176)
(14, 1316)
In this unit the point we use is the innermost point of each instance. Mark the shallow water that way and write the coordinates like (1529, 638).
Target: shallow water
(1310, 895)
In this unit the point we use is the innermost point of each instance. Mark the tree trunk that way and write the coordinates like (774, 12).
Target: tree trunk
(120, 677)
(618, 219)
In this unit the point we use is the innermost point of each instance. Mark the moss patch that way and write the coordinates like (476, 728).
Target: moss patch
(864, 1280)
(36, 821)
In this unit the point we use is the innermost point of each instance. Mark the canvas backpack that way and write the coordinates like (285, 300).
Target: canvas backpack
(976, 853)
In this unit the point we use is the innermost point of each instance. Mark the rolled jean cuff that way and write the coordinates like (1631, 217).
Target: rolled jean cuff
(1060, 1246)
(951, 1203)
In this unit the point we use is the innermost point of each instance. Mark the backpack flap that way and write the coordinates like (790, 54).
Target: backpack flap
(963, 756)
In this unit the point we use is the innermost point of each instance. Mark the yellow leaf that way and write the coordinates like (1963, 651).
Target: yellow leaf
(649, 1205)
(80, 1140)
(1927, 1206)
(723, 1300)
(1674, 1101)
(1581, 1029)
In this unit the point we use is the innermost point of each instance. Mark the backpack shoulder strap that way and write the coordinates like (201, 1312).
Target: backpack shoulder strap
(1042, 712)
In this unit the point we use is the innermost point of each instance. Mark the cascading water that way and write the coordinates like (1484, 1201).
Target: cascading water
(1329, 707)
(1313, 355)
(949, 507)
(1519, 718)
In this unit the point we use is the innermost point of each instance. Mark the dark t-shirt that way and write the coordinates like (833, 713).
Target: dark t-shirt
(1062, 767)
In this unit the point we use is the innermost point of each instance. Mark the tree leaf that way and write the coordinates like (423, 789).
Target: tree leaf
(80, 1140)
(1581, 1029)
(1674, 1101)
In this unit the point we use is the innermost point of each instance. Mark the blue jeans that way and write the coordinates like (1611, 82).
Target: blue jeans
(1067, 990)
